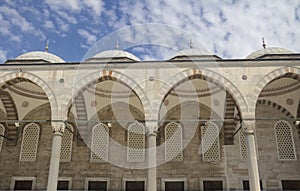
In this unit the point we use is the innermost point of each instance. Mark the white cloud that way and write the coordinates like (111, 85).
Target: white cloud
(11, 18)
(49, 25)
(69, 18)
(3, 56)
(16, 19)
(228, 28)
(77, 5)
(90, 38)
(95, 5)
(209, 22)
(73, 5)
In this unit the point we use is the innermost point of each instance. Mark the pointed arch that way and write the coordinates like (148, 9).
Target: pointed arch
(208, 75)
(87, 80)
(38, 81)
(292, 72)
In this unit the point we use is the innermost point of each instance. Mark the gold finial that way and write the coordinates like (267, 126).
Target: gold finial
(191, 44)
(263, 43)
(117, 45)
(47, 46)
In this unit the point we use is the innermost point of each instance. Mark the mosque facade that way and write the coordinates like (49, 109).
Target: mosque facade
(194, 122)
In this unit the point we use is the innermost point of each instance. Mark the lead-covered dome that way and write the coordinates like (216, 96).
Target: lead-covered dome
(113, 55)
(36, 57)
(194, 53)
(268, 51)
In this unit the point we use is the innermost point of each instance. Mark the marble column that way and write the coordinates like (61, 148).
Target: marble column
(58, 129)
(151, 160)
(251, 155)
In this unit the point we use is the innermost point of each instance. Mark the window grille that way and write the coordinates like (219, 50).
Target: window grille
(66, 145)
(173, 142)
(2, 132)
(243, 149)
(136, 143)
(100, 140)
(284, 141)
(30, 142)
(210, 142)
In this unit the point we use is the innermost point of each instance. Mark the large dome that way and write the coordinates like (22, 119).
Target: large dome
(45, 57)
(269, 50)
(113, 54)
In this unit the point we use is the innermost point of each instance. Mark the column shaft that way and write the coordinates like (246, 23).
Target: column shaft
(55, 157)
(252, 160)
(151, 175)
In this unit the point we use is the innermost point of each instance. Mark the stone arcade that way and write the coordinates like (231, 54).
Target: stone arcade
(193, 122)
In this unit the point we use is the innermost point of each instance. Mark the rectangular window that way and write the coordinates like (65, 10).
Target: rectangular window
(63, 185)
(23, 185)
(135, 185)
(290, 184)
(174, 186)
(212, 185)
(97, 185)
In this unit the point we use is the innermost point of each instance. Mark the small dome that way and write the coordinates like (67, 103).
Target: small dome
(194, 53)
(114, 54)
(39, 55)
(269, 50)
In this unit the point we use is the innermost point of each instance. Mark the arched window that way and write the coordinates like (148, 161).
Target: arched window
(2, 132)
(99, 145)
(136, 143)
(66, 144)
(210, 142)
(173, 142)
(284, 141)
(30, 141)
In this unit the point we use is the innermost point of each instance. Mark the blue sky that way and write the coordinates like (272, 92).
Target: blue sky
(228, 28)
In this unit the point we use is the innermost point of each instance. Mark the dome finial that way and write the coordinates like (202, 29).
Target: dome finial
(191, 44)
(117, 45)
(47, 46)
(263, 42)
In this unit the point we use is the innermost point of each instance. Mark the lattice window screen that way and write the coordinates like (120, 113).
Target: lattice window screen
(100, 140)
(173, 142)
(285, 141)
(243, 149)
(66, 145)
(136, 143)
(210, 142)
(2, 132)
(30, 142)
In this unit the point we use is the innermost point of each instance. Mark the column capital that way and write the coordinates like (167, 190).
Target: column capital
(151, 126)
(249, 122)
(249, 126)
(58, 127)
(151, 133)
